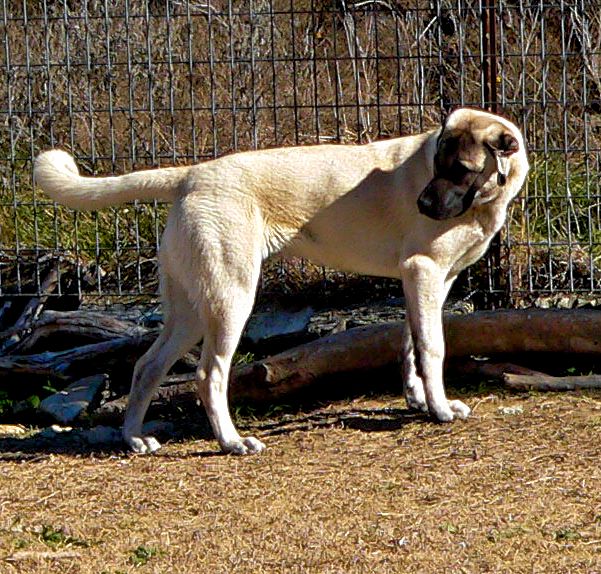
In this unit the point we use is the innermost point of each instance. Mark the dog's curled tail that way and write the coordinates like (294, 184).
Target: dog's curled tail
(56, 173)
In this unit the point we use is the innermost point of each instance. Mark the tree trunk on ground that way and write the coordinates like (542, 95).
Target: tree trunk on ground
(356, 352)
(367, 348)
(543, 382)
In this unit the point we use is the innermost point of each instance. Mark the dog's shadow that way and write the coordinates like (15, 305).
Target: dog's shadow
(363, 419)
(36, 447)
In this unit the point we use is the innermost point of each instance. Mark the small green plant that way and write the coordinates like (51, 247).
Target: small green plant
(33, 401)
(57, 538)
(141, 555)
(52, 537)
(274, 410)
(50, 388)
(497, 535)
(567, 534)
(243, 359)
(244, 411)
(449, 527)
(21, 543)
(6, 403)
(594, 422)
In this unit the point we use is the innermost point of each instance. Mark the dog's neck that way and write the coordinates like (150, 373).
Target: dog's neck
(492, 215)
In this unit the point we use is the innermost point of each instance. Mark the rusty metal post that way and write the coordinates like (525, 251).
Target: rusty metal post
(489, 56)
(488, 43)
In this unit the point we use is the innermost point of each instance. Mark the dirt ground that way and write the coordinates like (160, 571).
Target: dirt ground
(358, 485)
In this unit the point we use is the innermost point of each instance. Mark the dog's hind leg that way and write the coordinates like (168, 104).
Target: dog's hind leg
(224, 328)
(183, 328)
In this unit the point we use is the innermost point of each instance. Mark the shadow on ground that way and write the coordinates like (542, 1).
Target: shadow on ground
(40, 444)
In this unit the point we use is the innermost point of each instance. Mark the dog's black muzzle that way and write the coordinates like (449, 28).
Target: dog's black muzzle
(442, 199)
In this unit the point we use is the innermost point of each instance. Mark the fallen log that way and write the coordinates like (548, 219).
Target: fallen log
(542, 382)
(366, 349)
(80, 325)
(176, 395)
(4, 310)
(364, 352)
(357, 351)
(109, 341)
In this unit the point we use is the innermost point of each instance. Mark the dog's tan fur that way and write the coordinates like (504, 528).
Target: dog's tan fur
(354, 208)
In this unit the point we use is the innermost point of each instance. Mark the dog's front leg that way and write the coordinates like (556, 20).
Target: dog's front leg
(425, 287)
(413, 386)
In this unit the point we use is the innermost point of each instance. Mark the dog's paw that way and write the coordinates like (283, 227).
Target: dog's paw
(243, 446)
(415, 397)
(460, 409)
(449, 411)
(442, 413)
(416, 402)
(143, 444)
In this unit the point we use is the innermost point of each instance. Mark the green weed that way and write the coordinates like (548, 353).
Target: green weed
(566, 534)
(141, 555)
(58, 538)
(450, 528)
(6, 403)
(242, 359)
(498, 535)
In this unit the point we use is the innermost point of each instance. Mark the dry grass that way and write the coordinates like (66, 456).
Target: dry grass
(355, 487)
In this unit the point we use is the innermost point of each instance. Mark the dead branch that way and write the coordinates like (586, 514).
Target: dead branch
(543, 382)
(114, 342)
(465, 366)
(63, 364)
(354, 352)
(32, 310)
(365, 350)
(43, 555)
(181, 392)
(86, 325)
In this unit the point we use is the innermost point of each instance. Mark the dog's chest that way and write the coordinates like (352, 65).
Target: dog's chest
(481, 236)
(471, 255)
(488, 223)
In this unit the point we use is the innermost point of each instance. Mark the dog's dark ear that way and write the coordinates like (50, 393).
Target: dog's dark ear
(502, 145)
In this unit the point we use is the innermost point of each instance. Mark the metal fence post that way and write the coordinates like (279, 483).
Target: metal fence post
(488, 42)
(489, 45)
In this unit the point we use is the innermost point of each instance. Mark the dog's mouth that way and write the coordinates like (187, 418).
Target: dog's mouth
(443, 199)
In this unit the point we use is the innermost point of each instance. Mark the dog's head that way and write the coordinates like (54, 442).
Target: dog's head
(477, 155)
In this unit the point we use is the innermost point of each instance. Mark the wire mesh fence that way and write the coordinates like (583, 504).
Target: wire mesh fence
(138, 83)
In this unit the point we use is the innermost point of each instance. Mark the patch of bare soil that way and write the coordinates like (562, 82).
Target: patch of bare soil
(358, 486)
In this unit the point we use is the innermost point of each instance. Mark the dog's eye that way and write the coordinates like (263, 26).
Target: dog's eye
(458, 172)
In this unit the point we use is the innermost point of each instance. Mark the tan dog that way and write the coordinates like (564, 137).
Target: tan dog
(420, 208)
